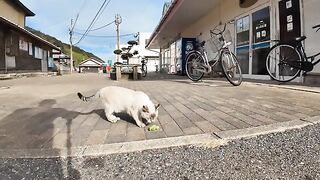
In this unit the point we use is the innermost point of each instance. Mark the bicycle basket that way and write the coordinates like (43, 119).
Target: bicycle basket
(215, 43)
(227, 36)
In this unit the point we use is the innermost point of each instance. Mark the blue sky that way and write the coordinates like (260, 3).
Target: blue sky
(53, 17)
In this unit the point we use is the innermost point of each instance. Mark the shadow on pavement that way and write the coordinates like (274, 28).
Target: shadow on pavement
(33, 128)
(223, 82)
(207, 82)
(122, 116)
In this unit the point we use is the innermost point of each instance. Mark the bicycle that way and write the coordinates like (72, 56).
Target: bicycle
(286, 60)
(198, 64)
(144, 69)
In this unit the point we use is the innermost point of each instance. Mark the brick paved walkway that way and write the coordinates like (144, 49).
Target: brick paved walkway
(187, 109)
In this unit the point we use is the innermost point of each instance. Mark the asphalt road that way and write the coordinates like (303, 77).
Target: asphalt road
(293, 154)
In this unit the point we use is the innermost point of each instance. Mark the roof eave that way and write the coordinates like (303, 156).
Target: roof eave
(13, 25)
(161, 23)
(26, 10)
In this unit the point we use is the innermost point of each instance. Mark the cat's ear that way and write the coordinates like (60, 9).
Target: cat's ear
(157, 106)
(145, 109)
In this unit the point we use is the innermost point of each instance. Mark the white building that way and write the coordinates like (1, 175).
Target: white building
(152, 55)
(91, 65)
(257, 23)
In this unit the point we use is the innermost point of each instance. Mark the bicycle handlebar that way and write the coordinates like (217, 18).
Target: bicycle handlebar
(220, 32)
(317, 26)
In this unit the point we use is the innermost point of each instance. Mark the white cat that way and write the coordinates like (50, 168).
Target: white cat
(118, 99)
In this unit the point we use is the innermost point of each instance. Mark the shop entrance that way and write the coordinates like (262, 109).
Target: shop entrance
(253, 42)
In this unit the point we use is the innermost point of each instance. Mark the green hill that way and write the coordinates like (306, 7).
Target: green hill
(78, 53)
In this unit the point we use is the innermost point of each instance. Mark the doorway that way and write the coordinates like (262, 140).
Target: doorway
(253, 42)
(44, 61)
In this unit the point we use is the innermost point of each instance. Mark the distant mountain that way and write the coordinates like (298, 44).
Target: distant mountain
(79, 54)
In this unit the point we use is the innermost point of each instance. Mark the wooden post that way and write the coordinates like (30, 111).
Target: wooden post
(160, 60)
(135, 73)
(118, 72)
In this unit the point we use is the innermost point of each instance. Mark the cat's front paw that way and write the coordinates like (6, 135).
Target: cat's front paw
(142, 125)
(113, 120)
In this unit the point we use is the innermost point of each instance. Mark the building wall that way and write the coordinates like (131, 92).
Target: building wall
(25, 61)
(311, 18)
(2, 51)
(228, 10)
(11, 13)
(88, 69)
(21, 57)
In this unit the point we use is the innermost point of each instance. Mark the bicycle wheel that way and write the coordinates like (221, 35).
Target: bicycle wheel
(283, 62)
(194, 63)
(231, 68)
(144, 70)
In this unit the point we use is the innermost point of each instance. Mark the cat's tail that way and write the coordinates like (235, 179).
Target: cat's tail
(89, 98)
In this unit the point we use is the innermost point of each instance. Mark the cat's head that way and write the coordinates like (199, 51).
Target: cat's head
(150, 113)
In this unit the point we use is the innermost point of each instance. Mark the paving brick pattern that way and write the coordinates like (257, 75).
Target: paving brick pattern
(186, 109)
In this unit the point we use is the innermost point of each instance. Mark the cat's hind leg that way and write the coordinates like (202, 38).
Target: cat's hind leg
(109, 114)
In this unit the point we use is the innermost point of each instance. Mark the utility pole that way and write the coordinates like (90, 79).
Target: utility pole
(71, 45)
(118, 21)
(71, 54)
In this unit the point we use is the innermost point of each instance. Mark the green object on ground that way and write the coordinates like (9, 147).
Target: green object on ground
(153, 128)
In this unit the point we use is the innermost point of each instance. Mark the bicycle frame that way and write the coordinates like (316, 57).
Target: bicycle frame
(297, 65)
(302, 51)
(312, 58)
(313, 61)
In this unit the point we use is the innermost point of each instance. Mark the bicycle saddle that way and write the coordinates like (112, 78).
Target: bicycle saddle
(302, 38)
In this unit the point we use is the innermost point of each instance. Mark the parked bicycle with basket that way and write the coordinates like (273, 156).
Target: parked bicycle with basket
(286, 60)
(198, 64)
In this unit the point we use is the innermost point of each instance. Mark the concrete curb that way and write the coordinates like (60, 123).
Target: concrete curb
(203, 140)
(289, 87)
(267, 129)
(29, 74)
(313, 120)
(116, 148)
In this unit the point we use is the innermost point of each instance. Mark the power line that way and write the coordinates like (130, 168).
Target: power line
(102, 26)
(103, 10)
(97, 36)
(78, 14)
(93, 21)
(72, 28)
(84, 3)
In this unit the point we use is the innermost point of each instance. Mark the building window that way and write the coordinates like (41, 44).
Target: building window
(23, 45)
(38, 52)
(30, 49)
